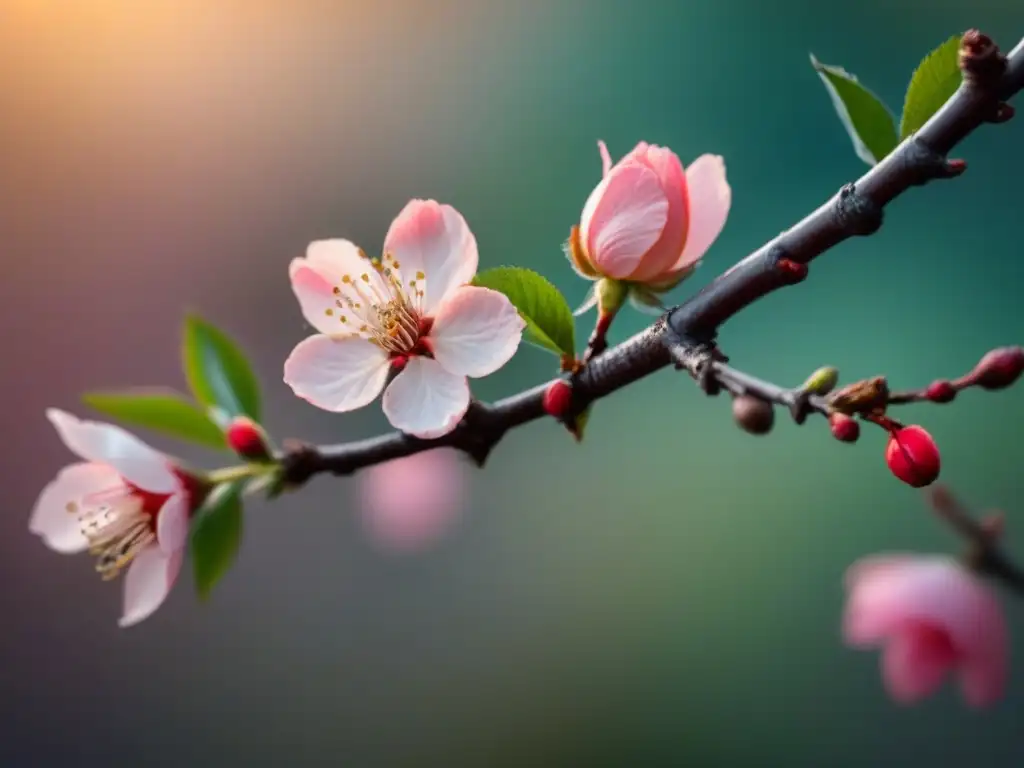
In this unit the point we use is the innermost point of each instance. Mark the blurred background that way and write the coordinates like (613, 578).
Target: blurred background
(668, 593)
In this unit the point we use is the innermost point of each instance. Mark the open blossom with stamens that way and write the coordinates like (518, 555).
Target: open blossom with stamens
(410, 312)
(648, 223)
(127, 504)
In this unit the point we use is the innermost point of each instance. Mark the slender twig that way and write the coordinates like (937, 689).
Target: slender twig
(983, 553)
(687, 333)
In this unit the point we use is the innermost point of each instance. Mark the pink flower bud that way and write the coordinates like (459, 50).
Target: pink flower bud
(248, 440)
(844, 428)
(999, 368)
(941, 391)
(753, 414)
(648, 221)
(912, 456)
(558, 398)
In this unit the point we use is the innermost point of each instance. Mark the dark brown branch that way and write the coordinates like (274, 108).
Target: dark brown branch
(686, 334)
(983, 553)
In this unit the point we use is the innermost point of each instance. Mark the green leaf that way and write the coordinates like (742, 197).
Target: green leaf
(216, 535)
(936, 79)
(218, 372)
(867, 120)
(162, 411)
(549, 323)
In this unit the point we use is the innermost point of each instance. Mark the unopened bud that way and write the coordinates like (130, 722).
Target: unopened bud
(941, 391)
(248, 440)
(912, 456)
(558, 398)
(822, 381)
(999, 368)
(753, 414)
(844, 428)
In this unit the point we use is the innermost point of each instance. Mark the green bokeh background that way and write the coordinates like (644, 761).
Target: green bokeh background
(668, 593)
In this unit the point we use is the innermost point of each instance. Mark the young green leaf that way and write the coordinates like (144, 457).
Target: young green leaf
(549, 323)
(216, 535)
(160, 410)
(936, 79)
(867, 120)
(217, 370)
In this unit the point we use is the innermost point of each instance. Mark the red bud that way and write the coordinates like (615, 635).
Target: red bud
(557, 398)
(845, 428)
(912, 456)
(248, 440)
(999, 368)
(940, 391)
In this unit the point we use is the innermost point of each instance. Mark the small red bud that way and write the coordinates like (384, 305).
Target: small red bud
(912, 456)
(558, 398)
(941, 391)
(753, 414)
(999, 368)
(248, 439)
(845, 428)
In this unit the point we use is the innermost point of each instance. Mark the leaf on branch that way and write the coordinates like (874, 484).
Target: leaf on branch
(936, 79)
(160, 410)
(218, 372)
(216, 536)
(549, 323)
(867, 120)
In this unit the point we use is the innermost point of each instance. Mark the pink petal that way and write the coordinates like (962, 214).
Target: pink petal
(937, 591)
(55, 516)
(915, 662)
(408, 503)
(710, 200)
(336, 374)
(983, 679)
(95, 441)
(148, 582)
(425, 400)
(316, 297)
(623, 218)
(665, 253)
(434, 239)
(476, 331)
(606, 159)
(172, 523)
(334, 258)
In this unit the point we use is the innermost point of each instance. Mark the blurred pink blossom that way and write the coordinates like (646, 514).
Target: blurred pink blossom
(409, 503)
(930, 615)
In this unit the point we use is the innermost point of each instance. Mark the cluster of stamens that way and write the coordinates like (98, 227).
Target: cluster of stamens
(116, 527)
(381, 306)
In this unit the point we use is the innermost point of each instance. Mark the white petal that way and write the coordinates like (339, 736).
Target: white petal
(148, 582)
(434, 239)
(55, 516)
(318, 283)
(476, 331)
(425, 400)
(137, 462)
(336, 374)
(172, 523)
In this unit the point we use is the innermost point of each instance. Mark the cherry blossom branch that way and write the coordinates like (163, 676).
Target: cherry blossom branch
(983, 553)
(686, 335)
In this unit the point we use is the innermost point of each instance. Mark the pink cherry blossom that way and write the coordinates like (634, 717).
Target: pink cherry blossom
(929, 615)
(408, 503)
(126, 503)
(647, 222)
(411, 312)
